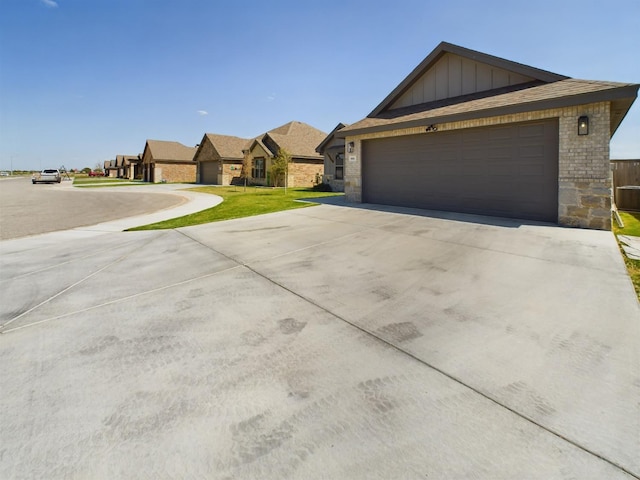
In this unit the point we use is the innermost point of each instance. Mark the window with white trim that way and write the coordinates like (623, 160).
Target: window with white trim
(257, 169)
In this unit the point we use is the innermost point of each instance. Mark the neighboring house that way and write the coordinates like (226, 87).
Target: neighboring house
(120, 166)
(171, 162)
(111, 168)
(297, 138)
(132, 167)
(332, 149)
(470, 132)
(219, 159)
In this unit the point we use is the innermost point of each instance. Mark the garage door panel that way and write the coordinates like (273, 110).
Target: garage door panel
(209, 173)
(535, 130)
(509, 170)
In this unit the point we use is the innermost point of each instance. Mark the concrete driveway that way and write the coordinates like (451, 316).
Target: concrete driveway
(327, 342)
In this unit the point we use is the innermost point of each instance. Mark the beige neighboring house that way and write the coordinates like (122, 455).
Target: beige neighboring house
(469, 132)
(332, 149)
(124, 166)
(172, 162)
(120, 166)
(111, 168)
(132, 167)
(219, 159)
(300, 140)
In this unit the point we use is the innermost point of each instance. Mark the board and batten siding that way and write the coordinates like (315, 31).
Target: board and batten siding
(453, 76)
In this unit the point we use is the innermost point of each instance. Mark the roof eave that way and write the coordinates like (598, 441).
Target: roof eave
(626, 92)
(320, 148)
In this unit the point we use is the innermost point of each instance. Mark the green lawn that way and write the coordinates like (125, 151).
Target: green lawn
(631, 222)
(239, 202)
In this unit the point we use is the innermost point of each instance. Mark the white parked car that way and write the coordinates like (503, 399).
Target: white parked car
(48, 175)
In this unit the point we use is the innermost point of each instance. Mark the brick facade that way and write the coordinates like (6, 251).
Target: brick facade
(305, 173)
(302, 173)
(584, 196)
(174, 172)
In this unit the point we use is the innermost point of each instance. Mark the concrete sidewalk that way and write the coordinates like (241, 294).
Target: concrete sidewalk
(326, 342)
(193, 202)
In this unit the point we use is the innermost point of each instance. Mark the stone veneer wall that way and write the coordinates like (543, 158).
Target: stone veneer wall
(584, 179)
(231, 172)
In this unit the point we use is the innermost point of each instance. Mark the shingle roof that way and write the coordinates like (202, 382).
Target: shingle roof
(320, 148)
(170, 151)
(228, 146)
(551, 95)
(298, 138)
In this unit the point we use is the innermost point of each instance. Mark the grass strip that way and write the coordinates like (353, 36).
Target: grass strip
(239, 202)
(631, 228)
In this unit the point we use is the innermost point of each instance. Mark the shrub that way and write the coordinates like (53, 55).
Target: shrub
(322, 187)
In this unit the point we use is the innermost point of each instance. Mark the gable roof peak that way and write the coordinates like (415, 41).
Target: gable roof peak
(169, 150)
(289, 128)
(227, 146)
(433, 65)
(298, 138)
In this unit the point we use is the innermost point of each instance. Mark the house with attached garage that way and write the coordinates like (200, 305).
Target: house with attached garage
(219, 159)
(297, 138)
(470, 132)
(111, 168)
(132, 166)
(164, 161)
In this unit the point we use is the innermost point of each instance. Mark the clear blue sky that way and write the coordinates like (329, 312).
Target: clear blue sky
(84, 80)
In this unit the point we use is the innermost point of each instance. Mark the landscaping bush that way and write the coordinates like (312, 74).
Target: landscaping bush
(322, 187)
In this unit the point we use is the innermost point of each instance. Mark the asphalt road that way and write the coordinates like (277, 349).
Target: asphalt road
(27, 209)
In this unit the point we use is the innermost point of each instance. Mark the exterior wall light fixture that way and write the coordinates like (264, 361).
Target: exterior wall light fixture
(583, 125)
(431, 128)
(350, 147)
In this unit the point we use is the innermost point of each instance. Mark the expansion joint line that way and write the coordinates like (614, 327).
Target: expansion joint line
(449, 376)
(66, 289)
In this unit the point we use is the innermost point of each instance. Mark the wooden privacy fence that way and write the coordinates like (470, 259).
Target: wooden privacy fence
(626, 184)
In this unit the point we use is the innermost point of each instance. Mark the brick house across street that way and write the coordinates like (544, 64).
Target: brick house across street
(219, 159)
(470, 132)
(131, 166)
(164, 161)
(297, 138)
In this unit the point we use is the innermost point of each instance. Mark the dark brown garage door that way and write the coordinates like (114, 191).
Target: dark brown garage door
(506, 171)
(209, 173)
